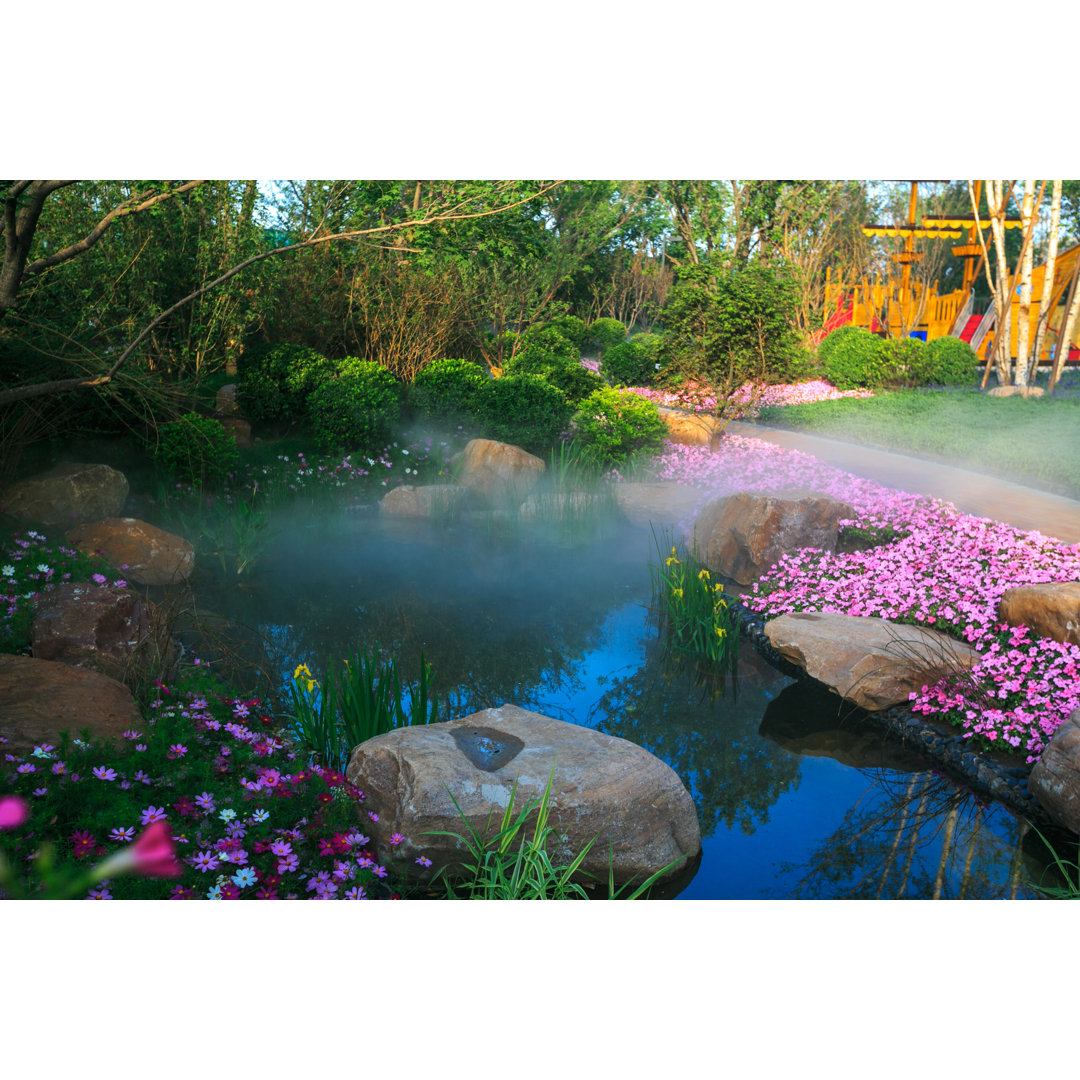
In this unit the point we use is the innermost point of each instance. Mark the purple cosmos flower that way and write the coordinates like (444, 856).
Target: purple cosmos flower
(151, 814)
(122, 835)
(104, 773)
(204, 861)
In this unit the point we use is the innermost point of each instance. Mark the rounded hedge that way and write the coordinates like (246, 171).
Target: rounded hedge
(853, 357)
(572, 328)
(196, 449)
(448, 391)
(549, 342)
(616, 425)
(356, 411)
(273, 382)
(633, 363)
(525, 410)
(949, 362)
(605, 334)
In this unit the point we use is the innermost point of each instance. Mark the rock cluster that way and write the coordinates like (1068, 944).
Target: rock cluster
(66, 494)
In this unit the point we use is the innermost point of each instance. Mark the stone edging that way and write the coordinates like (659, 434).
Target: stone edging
(1006, 784)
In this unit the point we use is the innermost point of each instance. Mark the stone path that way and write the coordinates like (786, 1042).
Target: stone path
(974, 493)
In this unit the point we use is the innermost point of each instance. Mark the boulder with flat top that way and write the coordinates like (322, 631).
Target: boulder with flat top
(67, 494)
(637, 808)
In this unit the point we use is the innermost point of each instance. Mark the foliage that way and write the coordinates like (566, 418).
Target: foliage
(572, 328)
(196, 450)
(854, 357)
(273, 382)
(513, 866)
(949, 362)
(448, 391)
(362, 700)
(1065, 870)
(727, 328)
(615, 425)
(606, 333)
(693, 610)
(549, 355)
(525, 410)
(546, 344)
(634, 362)
(356, 411)
(906, 361)
(31, 564)
(249, 821)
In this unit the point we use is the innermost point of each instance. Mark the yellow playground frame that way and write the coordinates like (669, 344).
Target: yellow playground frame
(901, 306)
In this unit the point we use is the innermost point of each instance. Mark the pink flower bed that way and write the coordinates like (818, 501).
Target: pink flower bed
(947, 570)
(696, 398)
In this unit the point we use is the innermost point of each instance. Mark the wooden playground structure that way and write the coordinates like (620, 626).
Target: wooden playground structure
(904, 306)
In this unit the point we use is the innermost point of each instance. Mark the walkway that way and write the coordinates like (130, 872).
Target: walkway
(974, 493)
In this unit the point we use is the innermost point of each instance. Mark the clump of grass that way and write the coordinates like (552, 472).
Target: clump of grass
(693, 611)
(511, 865)
(361, 699)
(1067, 871)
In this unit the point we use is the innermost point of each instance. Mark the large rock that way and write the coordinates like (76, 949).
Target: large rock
(603, 786)
(144, 553)
(743, 534)
(225, 401)
(871, 662)
(691, 429)
(661, 503)
(1051, 610)
(39, 699)
(426, 500)
(500, 474)
(67, 494)
(106, 629)
(1055, 779)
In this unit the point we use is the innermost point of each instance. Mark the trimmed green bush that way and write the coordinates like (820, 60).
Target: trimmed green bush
(196, 449)
(549, 355)
(525, 410)
(853, 357)
(549, 342)
(273, 382)
(606, 333)
(949, 362)
(907, 361)
(572, 328)
(448, 391)
(617, 425)
(633, 363)
(356, 411)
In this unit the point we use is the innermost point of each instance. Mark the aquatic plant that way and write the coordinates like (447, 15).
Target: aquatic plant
(1067, 871)
(361, 699)
(693, 610)
(510, 865)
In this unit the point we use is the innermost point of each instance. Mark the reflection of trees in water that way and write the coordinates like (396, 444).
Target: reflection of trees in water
(917, 837)
(498, 622)
(708, 733)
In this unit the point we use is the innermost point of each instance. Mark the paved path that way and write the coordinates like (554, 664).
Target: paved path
(974, 493)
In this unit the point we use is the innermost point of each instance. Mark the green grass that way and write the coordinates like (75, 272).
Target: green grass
(1032, 440)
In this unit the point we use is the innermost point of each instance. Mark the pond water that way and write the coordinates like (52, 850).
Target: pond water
(795, 798)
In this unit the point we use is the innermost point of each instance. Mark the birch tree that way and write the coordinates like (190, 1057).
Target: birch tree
(1046, 305)
(1023, 330)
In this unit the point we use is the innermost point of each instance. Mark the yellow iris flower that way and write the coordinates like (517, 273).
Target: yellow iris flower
(677, 593)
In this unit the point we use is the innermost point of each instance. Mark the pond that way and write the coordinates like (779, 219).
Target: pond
(795, 798)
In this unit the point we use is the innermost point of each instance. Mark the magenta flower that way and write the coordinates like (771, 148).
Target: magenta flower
(13, 811)
(396, 838)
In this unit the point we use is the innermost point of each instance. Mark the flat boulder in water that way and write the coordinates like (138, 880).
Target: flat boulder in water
(872, 663)
(499, 473)
(144, 553)
(603, 787)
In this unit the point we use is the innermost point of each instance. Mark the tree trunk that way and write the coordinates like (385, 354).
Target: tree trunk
(1023, 330)
(1067, 329)
(1046, 305)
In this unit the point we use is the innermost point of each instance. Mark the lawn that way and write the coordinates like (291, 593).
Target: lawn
(1033, 440)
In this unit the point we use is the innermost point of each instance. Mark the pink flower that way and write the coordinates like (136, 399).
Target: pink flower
(13, 812)
(152, 855)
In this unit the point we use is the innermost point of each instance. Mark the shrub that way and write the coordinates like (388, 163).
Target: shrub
(273, 382)
(606, 333)
(906, 361)
(853, 357)
(448, 391)
(633, 363)
(525, 410)
(196, 449)
(358, 410)
(572, 328)
(549, 342)
(617, 424)
(949, 362)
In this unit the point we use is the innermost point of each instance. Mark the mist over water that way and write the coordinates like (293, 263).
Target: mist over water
(792, 800)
